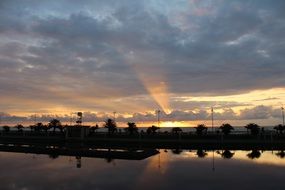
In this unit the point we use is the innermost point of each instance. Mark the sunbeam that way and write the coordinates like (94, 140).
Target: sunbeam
(151, 76)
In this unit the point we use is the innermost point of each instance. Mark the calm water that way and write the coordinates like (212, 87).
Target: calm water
(166, 170)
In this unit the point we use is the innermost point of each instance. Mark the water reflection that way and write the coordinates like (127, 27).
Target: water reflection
(227, 154)
(201, 153)
(160, 158)
(53, 156)
(168, 169)
(280, 154)
(177, 151)
(78, 161)
(110, 154)
(254, 154)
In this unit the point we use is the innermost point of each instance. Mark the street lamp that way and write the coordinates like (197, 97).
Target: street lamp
(35, 118)
(282, 110)
(114, 116)
(158, 117)
(212, 115)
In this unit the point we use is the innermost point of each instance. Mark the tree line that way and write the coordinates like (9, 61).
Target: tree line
(111, 126)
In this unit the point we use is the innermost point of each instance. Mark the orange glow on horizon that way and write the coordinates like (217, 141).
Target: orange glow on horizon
(125, 107)
(176, 124)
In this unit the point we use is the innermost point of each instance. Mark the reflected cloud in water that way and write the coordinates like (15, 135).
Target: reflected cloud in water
(170, 169)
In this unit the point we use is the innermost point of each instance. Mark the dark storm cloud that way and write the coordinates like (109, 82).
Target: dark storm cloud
(54, 48)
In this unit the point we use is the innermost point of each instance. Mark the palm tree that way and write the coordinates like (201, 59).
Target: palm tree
(279, 128)
(32, 127)
(152, 129)
(39, 127)
(6, 128)
(132, 128)
(55, 124)
(201, 129)
(19, 127)
(254, 128)
(93, 129)
(176, 130)
(111, 125)
(226, 128)
(45, 128)
(61, 128)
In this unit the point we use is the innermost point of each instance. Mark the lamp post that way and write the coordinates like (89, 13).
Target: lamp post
(212, 117)
(114, 116)
(35, 117)
(79, 118)
(282, 110)
(72, 114)
(213, 162)
(71, 119)
(158, 117)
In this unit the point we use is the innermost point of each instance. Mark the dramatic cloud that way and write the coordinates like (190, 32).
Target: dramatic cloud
(136, 56)
(258, 113)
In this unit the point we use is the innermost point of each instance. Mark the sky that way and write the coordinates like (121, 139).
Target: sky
(182, 57)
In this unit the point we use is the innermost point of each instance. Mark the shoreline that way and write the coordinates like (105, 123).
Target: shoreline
(159, 140)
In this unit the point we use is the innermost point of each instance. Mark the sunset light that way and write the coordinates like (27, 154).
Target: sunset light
(142, 94)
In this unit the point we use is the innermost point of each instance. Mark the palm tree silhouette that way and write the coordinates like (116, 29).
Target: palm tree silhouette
(111, 125)
(132, 128)
(201, 129)
(279, 128)
(152, 129)
(254, 128)
(176, 130)
(19, 127)
(226, 128)
(39, 127)
(93, 129)
(6, 128)
(55, 124)
(32, 127)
